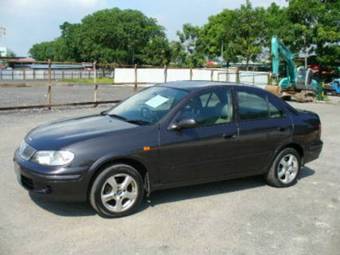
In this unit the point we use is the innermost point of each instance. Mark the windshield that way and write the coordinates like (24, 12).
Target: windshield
(148, 106)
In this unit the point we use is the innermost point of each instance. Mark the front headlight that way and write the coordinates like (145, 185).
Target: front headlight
(53, 158)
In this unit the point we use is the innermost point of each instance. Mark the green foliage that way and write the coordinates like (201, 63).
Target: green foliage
(316, 27)
(188, 51)
(107, 36)
(239, 33)
(100, 80)
(129, 37)
(11, 53)
(48, 50)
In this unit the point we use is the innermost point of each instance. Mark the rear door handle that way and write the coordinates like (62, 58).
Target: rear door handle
(229, 136)
(281, 129)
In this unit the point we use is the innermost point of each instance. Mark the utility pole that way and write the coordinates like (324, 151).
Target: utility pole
(3, 51)
(2, 33)
(305, 51)
(222, 50)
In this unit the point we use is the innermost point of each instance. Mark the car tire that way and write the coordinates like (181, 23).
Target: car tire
(285, 168)
(117, 191)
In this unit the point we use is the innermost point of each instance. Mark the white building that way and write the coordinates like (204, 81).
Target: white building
(3, 52)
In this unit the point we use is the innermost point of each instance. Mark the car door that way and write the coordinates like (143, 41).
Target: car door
(263, 126)
(205, 151)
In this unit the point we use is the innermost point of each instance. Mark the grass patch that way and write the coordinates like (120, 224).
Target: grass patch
(88, 81)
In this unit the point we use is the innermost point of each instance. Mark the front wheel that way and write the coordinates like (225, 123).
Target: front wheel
(285, 168)
(117, 191)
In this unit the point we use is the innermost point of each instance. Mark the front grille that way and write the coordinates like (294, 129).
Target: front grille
(27, 182)
(26, 151)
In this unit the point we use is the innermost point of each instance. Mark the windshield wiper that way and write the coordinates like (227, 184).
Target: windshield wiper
(139, 122)
(117, 116)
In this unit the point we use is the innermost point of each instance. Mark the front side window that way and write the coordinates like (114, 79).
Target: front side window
(148, 106)
(209, 108)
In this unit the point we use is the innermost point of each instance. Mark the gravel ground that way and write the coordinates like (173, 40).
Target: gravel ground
(33, 94)
(233, 217)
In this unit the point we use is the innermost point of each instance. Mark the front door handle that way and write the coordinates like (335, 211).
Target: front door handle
(281, 129)
(229, 136)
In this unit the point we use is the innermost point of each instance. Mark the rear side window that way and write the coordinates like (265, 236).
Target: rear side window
(252, 106)
(274, 112)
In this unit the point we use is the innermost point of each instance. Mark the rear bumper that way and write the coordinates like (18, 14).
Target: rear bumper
(313, 151)
(53, 187)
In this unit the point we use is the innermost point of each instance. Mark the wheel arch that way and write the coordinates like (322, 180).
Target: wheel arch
(294, 145)
(139, 166)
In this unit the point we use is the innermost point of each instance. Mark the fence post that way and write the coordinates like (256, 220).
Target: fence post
(227, 75)
(24, 74)
(49, 91)
(253, 75)
(12, 75)
(136, 78)
(0, 74)
(191, 74)
(165, 73)
(33, 74)
(211, 75)
(237, 75)
(113, 74)
(95, 83)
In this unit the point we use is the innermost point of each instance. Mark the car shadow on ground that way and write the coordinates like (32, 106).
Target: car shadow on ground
(164, 196)
(211, 189)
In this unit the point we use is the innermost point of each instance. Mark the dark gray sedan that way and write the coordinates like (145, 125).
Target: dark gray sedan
(169, 135)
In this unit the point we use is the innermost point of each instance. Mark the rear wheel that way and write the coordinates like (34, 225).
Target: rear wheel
(285, 168)
(117, 191)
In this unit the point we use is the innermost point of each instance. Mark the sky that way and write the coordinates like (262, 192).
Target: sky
(31, 21)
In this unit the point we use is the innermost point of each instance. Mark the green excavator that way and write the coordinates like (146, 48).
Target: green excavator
(299, 83)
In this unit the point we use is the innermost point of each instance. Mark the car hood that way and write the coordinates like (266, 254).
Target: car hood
(60, 134)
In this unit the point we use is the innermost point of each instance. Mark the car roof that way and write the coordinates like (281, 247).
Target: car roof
(198, 85)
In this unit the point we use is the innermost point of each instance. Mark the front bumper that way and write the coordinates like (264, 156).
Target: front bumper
(60, 187)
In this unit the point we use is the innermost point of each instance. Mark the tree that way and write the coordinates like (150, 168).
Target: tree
(178, 54)
(239, 33)
(188, 50)
(111, 35)
(129, 37)
(10, 53)
(156, 52)
(250, 32)
(218, 36)
(316, 27)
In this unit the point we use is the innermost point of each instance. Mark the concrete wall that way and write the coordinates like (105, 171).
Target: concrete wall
(144, 75)
(157, 75)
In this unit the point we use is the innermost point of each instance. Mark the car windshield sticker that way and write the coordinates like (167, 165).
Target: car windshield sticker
(156, 101)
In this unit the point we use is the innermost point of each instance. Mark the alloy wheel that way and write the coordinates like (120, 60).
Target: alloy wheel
(287, 169)
(119, 193)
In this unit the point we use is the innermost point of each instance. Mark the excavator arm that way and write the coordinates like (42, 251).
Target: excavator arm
(279, 50)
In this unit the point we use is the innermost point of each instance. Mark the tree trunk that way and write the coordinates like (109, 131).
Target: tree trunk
(247, 63)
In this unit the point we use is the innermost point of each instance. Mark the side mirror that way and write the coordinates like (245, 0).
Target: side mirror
(183, 124)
